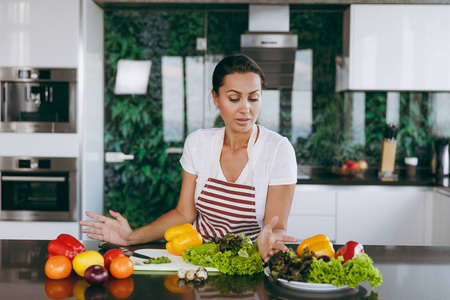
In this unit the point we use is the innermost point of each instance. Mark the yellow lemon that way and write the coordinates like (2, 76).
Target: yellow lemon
(86, 259)
(79, 287)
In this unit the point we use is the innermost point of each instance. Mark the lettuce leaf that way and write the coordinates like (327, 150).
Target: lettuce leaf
(245, 261)
(352, 273)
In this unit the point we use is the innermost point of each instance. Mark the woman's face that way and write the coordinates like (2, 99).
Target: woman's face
(239, 100)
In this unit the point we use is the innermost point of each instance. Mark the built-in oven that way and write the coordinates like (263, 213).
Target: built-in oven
(38, 100)
(38, 189)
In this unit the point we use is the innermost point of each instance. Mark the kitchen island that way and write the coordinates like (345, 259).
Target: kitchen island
(409, 272)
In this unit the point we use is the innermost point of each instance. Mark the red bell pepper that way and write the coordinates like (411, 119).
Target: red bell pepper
(65, 245)
(349, 250)
(72, 242)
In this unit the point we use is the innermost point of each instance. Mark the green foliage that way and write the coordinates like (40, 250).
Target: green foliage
(233, 24)
(375, 125)
(321, 32)
(186, 28)
(414, 137)
(148, 186)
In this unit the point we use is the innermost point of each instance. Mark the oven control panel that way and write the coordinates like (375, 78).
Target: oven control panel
(34, 164)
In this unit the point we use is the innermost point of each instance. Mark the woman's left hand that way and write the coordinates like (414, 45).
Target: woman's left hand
(269, 241)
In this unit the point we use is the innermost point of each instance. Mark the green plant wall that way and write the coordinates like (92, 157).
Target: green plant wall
(322, 33)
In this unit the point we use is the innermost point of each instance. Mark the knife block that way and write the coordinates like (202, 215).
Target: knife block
(388, 152)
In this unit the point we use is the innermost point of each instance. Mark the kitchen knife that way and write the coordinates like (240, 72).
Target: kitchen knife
(108, 246)
(132, 253)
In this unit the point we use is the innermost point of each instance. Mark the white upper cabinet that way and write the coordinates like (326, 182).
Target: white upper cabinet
(39, 33)
(395, 48)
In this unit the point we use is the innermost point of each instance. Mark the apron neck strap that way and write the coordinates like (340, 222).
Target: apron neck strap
(251, 143)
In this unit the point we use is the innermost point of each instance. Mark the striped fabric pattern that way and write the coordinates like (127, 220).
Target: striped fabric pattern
(226, 207)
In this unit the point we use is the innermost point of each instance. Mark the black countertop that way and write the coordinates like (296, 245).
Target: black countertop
(321, 175)
(409, 272)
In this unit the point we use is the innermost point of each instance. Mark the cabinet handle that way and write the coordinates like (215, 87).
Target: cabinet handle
(32, 178)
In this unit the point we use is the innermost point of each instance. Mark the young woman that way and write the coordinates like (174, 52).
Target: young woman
(240, 178)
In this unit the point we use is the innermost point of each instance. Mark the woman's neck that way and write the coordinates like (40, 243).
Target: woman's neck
(236, 140)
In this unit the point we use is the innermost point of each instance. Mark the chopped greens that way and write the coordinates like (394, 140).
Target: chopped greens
(158, 260)
(289, 266)
(354, 271)
(234, 243)
(307, 268)
(231, 254)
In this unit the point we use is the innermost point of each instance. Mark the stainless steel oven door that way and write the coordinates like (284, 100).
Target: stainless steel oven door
(38, 196)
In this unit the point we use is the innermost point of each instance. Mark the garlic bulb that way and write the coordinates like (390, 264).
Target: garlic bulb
(190, 275)
(181, 273)
(181, 283)
(201, 275)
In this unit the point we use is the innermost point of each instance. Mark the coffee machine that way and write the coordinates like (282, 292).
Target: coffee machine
(440, 162)
(37, 100)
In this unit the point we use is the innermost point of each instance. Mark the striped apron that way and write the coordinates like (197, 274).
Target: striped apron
(225, 207)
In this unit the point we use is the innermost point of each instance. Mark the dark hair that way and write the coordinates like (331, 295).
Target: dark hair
(238, 63)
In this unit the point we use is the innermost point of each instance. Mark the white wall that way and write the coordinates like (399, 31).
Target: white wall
(91, 105)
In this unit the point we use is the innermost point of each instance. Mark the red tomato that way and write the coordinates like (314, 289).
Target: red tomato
(121, 288)
(121, 267)
(110, 255)
(58, 267)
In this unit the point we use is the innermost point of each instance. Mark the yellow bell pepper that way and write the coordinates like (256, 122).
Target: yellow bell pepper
(319, 244)
(171, 284)
(177, 230)
(180, 237)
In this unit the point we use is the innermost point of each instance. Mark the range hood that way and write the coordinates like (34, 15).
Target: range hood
(269, 42)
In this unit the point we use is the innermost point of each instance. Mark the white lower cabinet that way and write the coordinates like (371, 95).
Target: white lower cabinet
(313, 212)
(302, 227)
(441, 219)
(371, 215)
(384, 216)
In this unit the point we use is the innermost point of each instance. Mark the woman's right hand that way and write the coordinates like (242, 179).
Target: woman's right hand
(114, 230)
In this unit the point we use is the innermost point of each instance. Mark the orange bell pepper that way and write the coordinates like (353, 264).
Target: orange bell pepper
(319, 244)
(180, 237)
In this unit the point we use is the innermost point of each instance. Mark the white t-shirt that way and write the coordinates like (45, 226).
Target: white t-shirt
(273, 161)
